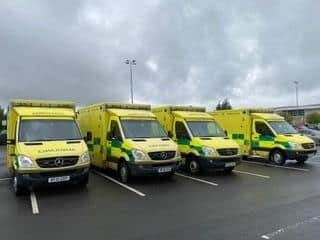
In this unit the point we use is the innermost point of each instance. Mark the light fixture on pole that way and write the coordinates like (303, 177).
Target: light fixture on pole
(297, 96)
(131, 62)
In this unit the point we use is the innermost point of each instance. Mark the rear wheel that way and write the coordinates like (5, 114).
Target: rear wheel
(193, 166)
(277, 157)
(124, 173)
(18, 188)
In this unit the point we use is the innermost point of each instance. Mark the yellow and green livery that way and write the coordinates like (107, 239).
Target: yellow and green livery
(202, 143)
(263, 133)
(128, 138)
(44, 144)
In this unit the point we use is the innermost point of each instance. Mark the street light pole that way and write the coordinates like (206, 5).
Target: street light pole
(130, 63)
(297, 99)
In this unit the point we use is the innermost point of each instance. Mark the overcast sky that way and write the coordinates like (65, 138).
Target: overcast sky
(187, 52)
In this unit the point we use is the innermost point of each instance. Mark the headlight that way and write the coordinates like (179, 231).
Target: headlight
(178, 154)
(25, 161)
(208, 151)
(139, 155)
(293, 145)
(85, 157)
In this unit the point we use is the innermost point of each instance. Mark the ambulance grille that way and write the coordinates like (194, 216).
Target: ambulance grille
(56, 162)
(163, 155)
(227, 151)
(308, 145)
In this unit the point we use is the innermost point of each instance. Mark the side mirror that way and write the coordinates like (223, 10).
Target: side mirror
(11, 141)
(89, 136)
(170, 135)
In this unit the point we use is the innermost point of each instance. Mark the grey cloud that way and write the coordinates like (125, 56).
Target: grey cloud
(188, 52)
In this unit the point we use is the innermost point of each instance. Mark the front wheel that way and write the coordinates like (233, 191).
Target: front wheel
(124, 173)
(302, 160)
(277, 157)
(228, 170)
(193, 166)
(17, 186)
(84, 182)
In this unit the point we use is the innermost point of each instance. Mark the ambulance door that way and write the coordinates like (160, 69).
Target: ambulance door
(262, 138)
(114, 143)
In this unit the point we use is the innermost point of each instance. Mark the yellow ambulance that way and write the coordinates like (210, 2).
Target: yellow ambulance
(263, 133)
(44, 145)
(202, 143)
(128, 138)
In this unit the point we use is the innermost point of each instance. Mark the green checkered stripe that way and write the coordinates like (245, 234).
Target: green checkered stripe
(187, 142)
(114, 144)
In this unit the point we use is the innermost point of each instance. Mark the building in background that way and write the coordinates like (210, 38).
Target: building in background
(298, 114)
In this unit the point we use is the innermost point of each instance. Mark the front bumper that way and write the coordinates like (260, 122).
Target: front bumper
(153, 169)
(28, 180)
(208, 164)
(296, 154)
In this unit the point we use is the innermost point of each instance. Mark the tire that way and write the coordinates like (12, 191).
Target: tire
(18, 188)
(169, 176)
(278, 157)
(123, 172)
(84, 182)
(228, 170)
(193, 166)
(302, 160)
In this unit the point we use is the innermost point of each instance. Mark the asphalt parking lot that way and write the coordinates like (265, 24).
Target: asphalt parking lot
(257, 201)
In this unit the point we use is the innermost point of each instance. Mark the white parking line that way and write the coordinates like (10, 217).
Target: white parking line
(34, 203)
(252, 174)
(196, 179)
(290, 227)
(276, 166)
(5, 179)
(119, 183)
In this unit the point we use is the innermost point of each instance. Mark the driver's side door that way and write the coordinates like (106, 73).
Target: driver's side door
(181, 136)
(114, 143)
(262, 138)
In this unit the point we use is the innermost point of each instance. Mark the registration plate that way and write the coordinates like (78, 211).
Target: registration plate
(58, 179)
(230, 164)
(164, 169)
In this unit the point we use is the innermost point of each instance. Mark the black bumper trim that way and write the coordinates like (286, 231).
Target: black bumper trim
(296, 154)
(39, 179)
(208, 164)
(152, 169)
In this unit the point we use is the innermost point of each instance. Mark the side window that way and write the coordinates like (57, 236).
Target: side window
(263, 129)
(181, 131)
(115, 130)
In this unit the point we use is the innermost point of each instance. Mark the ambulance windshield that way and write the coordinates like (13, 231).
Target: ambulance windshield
(282, 127)
(48, 130)
(142, 129)
(205, 129)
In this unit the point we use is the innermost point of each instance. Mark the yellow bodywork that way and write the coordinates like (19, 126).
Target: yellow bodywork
(240, 125)
(95, 123)
(40, 110)
(169, 115)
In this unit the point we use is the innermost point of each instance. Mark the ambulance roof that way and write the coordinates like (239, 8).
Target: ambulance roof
(193, 115)
(44, 112)
(129, 113)
(268, 116)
